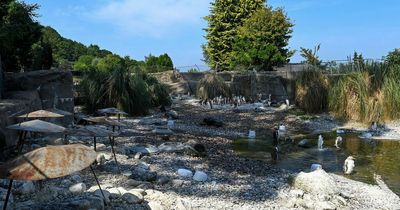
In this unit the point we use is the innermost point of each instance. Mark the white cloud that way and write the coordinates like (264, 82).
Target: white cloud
(151, 17)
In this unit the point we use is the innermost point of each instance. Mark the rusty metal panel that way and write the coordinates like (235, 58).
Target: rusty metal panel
(41, 114)
(112, 110)
(49, 162)
(37, 126)
(104, 121)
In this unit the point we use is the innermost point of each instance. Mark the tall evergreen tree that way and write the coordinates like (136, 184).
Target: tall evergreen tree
(224, 19)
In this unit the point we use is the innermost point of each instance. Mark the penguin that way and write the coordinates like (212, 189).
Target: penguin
(349, 165)
(338, 141)
(275, 135)
(274, 154)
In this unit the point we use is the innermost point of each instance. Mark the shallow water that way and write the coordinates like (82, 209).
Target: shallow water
(381, 157)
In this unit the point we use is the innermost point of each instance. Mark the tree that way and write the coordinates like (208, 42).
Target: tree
(224, 19)
(158, 64)
(18, 32)
(393, 58)
(310, 55)
(84, 63)
(42, 56)
(261, 42)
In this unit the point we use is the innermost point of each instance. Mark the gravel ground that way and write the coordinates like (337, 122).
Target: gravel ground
(234, 182)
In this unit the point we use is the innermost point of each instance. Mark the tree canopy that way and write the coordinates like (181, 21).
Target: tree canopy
(246, 33)
(262, 41)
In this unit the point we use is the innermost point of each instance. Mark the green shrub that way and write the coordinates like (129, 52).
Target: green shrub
(212, 86)
(391, 92)
(348, 97)
(312, 91)
(118, 88)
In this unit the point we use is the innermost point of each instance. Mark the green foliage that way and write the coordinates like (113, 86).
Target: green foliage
(393, 58)
(311, 56)
(158, 92)
(158, 64)
(118, 87)
(84, 63)
(42, 56)
(212, 86)
(226, 16)
(18, 32)
(312, 91)
(261, 42)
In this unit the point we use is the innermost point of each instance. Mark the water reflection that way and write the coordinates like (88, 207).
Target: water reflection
(372, 156)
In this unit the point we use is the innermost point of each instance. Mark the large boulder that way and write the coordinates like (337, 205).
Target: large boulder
(317, 182)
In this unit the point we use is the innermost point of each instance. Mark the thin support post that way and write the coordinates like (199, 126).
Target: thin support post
(98, 184)
(8, 194)
(113, 151)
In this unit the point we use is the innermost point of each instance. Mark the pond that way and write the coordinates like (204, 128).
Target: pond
(380, 157)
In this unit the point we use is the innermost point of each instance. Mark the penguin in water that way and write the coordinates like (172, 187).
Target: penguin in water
(349, 165)
(338, 142)
(274, 154)
(275, 135)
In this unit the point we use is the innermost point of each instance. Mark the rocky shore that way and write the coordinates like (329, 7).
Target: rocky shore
(149, 158)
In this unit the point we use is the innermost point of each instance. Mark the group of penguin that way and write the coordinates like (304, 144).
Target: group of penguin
(348, 166)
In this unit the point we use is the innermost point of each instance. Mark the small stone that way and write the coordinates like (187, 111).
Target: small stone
(177, 182)
(153, 205)
(316, 167)
(182, 204)
(76, 178)
(138, 155)
(106, 195)
(78, 188)
(131, 198)
(185, 172)
(26, 188)
(134, 183)
(162, 180)
(200, 176)
(114, 193)
(137, 190)
(66, 182)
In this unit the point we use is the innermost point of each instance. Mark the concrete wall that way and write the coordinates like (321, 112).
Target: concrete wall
(30, 91)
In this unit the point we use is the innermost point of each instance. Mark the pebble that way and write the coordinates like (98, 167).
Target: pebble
(155, 205)
(106, 195)
(78, 188)
(185, 172)
(132, 198)
(76, 178)
(26, 188)
(133, 183)
(200, 176)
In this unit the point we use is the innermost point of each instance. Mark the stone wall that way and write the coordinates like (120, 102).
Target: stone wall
(246, 84)
(30, 91)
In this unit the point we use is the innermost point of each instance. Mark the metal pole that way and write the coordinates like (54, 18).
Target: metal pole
(98, 184)
(8, 194)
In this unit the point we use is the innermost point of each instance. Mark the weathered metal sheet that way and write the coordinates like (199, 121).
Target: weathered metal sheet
(112, 110)
(59, 111)
(41, 114)
(49, 162)
(90, 131)
(37, 126)
(104, 121)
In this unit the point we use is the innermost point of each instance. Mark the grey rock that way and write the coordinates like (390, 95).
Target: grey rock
(133, 183)
(132, 198)
(143, 175)
(106, 194)
(153, 205)
(26, 187)
(173, 114)
(183, 204)
(145, 150)
(177, 182)
(304, 143)
(92, 202)
(317, 182)
(163, 180)
(76, 178)
(78, 188)
(138, 155)
(172, 147)
(200, 176)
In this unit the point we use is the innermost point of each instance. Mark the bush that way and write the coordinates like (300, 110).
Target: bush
(118, 88)
(312, 91)
(212, 86)
(348, 97)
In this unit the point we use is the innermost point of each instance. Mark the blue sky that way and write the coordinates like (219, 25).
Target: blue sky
(137, 28)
